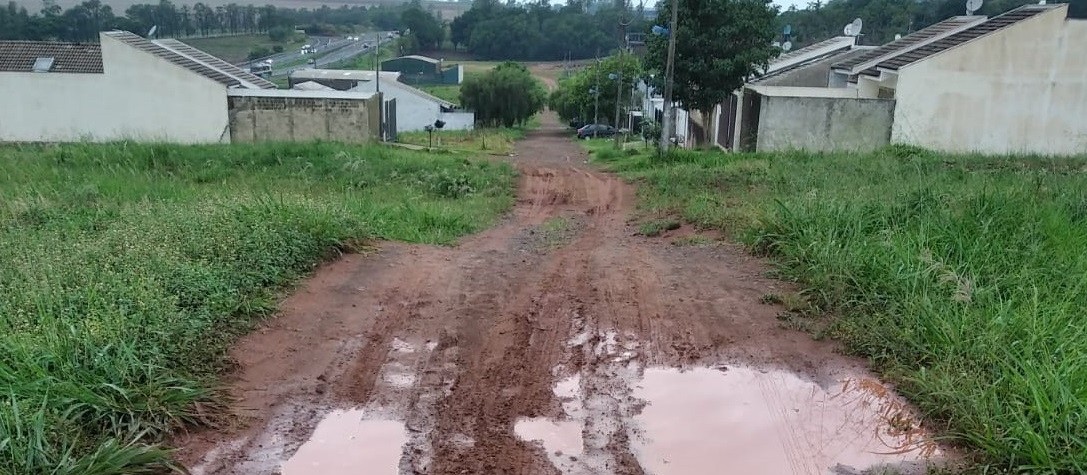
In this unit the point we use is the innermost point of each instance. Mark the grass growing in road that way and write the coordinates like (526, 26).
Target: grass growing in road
(126, 270)
(963, 278)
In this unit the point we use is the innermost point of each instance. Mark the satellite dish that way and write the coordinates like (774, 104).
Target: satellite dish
(788, 29)
(973, 6)
(856, 27)
(786, 46)
(848, 30)
(898, 37)
(152, 31)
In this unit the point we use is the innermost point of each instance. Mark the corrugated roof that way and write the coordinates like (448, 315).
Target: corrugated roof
(838, 43)
(215, 63)
(82, 58)
(348, 74)
(415, 57)
(944, 28)
(994, 24)
(143, 44)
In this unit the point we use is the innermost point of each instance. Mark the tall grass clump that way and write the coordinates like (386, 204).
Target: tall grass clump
(963, 278)
(126, 270)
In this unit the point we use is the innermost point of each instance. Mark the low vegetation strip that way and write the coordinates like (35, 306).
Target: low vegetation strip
(964, 278)
(126, 270)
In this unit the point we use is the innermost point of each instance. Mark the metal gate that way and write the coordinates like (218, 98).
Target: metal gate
(726, 123)
(388, 121)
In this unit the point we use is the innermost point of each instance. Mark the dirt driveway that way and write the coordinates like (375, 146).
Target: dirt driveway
(556, 342)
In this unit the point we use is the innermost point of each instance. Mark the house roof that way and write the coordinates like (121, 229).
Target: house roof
(348, 74)
(415, 57)
(197, 67)
(994, 24)
(913, 40)
(807, 53)
(19, 56)
(249, 79)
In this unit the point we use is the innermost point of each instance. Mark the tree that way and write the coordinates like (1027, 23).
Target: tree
(426, 30)
(720, 43)
(574, 99)
(507, 95)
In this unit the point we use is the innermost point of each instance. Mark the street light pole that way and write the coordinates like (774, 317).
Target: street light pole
(618, 100)
(668, 126)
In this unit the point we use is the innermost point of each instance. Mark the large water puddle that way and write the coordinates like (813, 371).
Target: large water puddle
(741, 420)
(346, 443)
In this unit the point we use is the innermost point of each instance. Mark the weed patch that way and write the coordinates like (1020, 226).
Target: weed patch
(126, 270)
(962, 277)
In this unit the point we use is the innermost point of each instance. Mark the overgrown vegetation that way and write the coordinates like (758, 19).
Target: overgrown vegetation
(505, 96)
(594, 90)
(126, 270)
(963, 278)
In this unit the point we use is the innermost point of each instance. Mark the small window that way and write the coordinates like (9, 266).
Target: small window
(885, 93)
(43, 65)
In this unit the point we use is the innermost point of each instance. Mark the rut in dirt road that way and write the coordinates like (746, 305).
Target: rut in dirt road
(550, 344)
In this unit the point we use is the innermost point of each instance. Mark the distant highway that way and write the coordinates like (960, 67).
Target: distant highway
(326, 51)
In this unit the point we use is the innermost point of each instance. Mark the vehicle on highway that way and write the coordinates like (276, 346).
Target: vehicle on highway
(306, 49)
(262, 69)
(596, 130)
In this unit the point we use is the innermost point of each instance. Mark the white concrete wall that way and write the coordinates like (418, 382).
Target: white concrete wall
(1020, 90)
(139, 97)
(414, 112)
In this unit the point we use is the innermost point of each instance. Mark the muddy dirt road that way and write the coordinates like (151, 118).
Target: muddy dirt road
(558, 342)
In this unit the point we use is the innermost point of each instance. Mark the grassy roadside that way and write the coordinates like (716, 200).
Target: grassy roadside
(963, 278)
(126, 270)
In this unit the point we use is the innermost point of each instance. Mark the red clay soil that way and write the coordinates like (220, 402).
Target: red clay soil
(461, 342)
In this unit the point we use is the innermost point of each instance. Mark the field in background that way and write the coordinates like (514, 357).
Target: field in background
(128, 269)
(235, 49)
(963, 278)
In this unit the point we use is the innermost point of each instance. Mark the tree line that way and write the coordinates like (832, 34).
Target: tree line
(83, 22)
(541, 31)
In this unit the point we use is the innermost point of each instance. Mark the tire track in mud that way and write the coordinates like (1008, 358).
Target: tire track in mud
(475, 346)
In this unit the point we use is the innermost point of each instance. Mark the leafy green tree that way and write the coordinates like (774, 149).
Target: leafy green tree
(507, 95)
(426, 30)
(574, 99)
(719, 44)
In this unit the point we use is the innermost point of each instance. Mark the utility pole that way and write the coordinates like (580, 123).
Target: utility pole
(618, 100)
(668, 126)
(377, 61)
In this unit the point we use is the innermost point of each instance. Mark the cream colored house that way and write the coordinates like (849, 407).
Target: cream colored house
(123, 88)
(1012, 84)
(1015, 83)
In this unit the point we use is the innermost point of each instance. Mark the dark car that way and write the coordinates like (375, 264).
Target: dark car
(596, 130)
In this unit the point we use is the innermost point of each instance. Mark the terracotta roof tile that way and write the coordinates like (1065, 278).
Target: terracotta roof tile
(19, 56)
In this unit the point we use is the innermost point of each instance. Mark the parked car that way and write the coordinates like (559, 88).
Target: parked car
(596, 130)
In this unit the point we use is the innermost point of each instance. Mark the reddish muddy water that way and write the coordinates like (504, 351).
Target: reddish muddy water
(522, 350)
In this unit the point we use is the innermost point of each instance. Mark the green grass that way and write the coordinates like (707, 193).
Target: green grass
(962, 278)
(494, 141)
(126, 271)
(235, 49)
(447, 92)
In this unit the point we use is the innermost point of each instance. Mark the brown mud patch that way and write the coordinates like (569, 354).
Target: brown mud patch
(503, 355)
